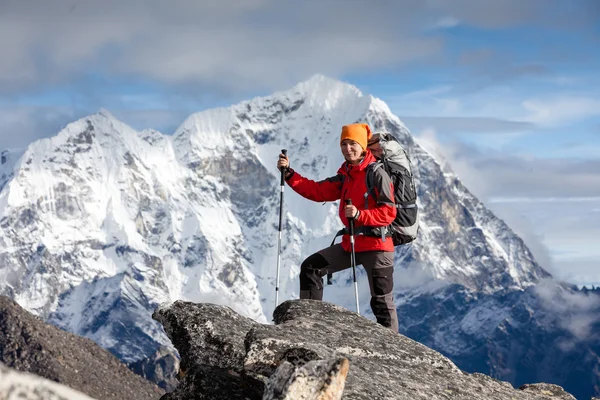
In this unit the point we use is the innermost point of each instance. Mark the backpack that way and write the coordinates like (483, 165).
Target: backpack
(396, 163)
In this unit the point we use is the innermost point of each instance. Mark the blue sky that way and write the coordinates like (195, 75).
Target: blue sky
(508, 92)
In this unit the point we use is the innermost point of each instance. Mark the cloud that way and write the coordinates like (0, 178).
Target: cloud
(485, 67)
(467, 124)
(561, 110)
(240, 45)
(549, 203)
(576, 312)
(21, 125)
(580, 271)
(502, 110)
(246, 45)
(524, 176)
(559, 232)
(492, 14)
(497, 174)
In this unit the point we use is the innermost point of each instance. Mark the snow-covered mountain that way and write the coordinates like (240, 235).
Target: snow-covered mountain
(545, 333)
(102, 223)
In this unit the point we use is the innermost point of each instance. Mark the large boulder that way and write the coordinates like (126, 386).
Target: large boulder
(16, 385)
(28, 344)
(304, 354)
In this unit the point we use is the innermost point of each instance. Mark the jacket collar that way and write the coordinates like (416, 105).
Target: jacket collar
(348, 168)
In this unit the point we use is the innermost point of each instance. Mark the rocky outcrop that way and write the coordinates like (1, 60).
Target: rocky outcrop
(316, 350)
(320, 379)
(18, 385)
(28, 344)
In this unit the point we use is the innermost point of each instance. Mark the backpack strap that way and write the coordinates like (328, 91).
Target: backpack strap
(338, 234)
(371, 168)
(370, 182)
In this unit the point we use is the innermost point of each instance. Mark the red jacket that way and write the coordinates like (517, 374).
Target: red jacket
(350, 183)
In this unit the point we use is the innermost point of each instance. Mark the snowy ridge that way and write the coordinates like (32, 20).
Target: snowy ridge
(101, 223)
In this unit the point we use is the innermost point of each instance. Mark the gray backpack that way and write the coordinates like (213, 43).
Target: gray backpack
(396, 163)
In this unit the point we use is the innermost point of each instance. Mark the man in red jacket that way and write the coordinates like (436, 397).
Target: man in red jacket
(374, 250)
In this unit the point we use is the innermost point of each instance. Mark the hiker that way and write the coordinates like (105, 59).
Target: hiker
(371, 214)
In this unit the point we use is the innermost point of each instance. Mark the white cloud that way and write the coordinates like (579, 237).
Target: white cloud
(229, 44)
(446, 22)
(576, 312)
(459, 125)
(21, 125)
(561, 110)
(235, 45)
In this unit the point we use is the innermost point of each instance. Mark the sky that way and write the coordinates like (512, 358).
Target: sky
(507, 92)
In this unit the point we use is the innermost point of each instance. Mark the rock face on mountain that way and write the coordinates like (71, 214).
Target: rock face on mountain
(28, 344)
(160, 367)
(251, 358)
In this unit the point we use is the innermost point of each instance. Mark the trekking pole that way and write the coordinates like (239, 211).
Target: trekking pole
(284, 152)
(353, 256)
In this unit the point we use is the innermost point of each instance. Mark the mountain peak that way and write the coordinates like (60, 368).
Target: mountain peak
(328, 93)
(319, 95)
(103, 112)
(85, 129)
(324, 83)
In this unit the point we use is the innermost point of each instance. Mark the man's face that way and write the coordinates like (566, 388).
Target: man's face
(376, 150)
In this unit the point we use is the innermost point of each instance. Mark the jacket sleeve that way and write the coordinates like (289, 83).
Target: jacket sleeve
(329, 189)
(384, 212)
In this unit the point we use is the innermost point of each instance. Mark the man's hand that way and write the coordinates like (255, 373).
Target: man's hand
(350, 211)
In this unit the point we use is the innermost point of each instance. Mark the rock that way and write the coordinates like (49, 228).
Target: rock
(28, 344)
(205, 334)
(308, 342)
(210, 341)
(18, 385)
(161, 368)
(214, 383)
(547, 389)
(322, 380)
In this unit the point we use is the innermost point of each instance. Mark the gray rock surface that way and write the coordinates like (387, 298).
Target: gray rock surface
(16, 385)
(28, 344)
(205, 334)
(320, 379)
(382, 364)
(160, 368)
(213, 383)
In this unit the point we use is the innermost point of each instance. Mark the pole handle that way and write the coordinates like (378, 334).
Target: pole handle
(351, 220)
(284, 152)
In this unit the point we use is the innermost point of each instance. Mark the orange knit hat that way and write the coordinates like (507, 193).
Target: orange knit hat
(360, 133)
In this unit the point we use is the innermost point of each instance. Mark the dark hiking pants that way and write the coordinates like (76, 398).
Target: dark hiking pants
(379, 266)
